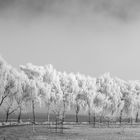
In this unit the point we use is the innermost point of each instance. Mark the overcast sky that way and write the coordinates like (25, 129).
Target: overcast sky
(86, 36)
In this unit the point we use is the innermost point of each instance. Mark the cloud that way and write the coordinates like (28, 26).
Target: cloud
(118, 9)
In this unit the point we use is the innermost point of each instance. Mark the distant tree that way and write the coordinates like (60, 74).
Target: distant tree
(66, 89)
(123, 85)
(98, 106)
(51, 82)
(135, 91)
(56, 100)
(79, 97)
(10, 107)
(21, 96)
(33, 74)
(44, 90)
(11, 90)
(4, 80)
(89, 91)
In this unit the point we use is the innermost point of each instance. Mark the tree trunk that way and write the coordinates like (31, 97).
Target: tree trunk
(89, 114)
(33, 111)
(131, 120)
(94, 120)
(108, 121)
(77, 120)
(7, 117)
(56, 123)
(19, 115)
(48, 117)
(62, 125)
(63, 115)
(120, 117)
(137, 115)
(77, 111)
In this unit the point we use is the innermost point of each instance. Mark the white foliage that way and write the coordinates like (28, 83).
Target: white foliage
(44, 84)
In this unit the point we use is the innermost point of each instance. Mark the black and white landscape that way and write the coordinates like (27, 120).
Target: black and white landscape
(69, 69)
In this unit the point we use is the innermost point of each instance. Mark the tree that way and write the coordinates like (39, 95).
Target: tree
(53, 96)
(98, 105)
(123, 86)
(11, 91)
(32, 73)
(33, 97)
(78, 96)
(4, 80)
(21, 97)
(65, 86)
(56, 100)
(103, 94)
(51, 82)
(89, 91)
(44, 90)
(10, 107)
(135, 91)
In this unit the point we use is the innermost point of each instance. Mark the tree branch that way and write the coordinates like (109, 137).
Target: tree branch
(2, 100)
(12, 111)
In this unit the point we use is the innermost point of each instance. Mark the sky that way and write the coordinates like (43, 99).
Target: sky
(87, 36)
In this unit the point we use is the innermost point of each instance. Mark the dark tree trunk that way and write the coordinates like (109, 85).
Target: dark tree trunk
(7, 117)
(108, 121)
(62, 121)
(77, 120)
(120, 117)
(89, 114)
(19, 115)
(33, 110)
(63, 115)
(94, 120)
(131, 121)
(62, 125)
(137, 115)
(77, 111)
(48, 116)
(56, 123)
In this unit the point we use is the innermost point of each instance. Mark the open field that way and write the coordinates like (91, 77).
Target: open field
(71, 132)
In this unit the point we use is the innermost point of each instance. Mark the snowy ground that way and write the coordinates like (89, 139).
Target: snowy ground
(71, 132)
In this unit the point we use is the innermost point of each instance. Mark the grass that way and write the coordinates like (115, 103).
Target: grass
(71, 132)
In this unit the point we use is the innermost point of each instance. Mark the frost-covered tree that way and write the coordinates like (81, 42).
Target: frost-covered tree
(79, 97)
(33, 95)
(89, 91)
(52, 97)
(123, 87)
(57, 101)
(103, 93)
(51, 84)
(4, 80)
(11, 90)
(44, 91)
(10, 107)
(65, 86)
(21, 96)
(135, 91)
(104, 96)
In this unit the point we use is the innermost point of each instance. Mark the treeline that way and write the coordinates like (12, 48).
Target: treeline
(61, 92)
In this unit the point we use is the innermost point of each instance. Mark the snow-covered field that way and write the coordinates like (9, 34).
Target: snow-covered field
(71, 132)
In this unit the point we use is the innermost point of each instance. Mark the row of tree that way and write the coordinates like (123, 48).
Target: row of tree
(60, 92)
